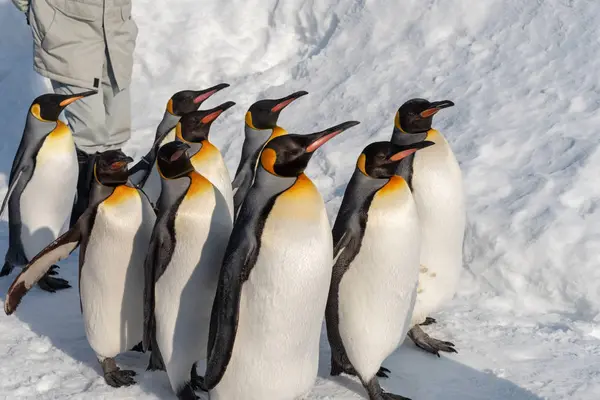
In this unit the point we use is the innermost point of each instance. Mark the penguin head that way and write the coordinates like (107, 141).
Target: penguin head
(264, 113)
(48, 107)
(111, 168)
(288, 155)
(416, 115)
(194, 127)
(187, 101)
(173, 161)
(379, 160)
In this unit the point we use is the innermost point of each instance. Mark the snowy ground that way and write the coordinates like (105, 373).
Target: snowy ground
(523, 75)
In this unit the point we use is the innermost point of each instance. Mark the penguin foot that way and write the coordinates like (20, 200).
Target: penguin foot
(376, 393)
(391, 396)
(429, 344)
(52, 284)
(187, 393)
(337, 369)
(116, 377)
(119, 378)
(156, 362)
(138, 348)
(6, 269)
(428, 321)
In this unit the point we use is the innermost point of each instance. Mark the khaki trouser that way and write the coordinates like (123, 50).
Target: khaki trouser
(100, 122)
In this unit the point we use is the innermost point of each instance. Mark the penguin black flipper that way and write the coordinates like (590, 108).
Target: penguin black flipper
(240, 257)
(348, 231)
(58, 250)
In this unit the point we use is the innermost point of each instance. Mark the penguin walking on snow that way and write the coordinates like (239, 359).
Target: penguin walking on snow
(268, 310)
(114, 234)
(42, 185)
(376, 249)
(144, 174)
(435, 178)
(193, 129)
(260, 127)
(182, 268)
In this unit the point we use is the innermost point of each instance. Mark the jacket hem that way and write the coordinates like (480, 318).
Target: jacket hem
(67, 81)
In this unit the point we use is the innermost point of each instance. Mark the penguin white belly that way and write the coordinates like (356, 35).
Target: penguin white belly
(152, 187)
(209, 162)
(112, 276)
(47, 200)
(184, 294)
(377, 292)
(438, 192)
(276, 350)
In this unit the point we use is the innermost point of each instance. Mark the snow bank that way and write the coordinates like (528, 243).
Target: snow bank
(524, 79)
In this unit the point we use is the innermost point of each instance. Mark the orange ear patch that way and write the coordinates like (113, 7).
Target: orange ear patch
(267, 160)
(360, 164)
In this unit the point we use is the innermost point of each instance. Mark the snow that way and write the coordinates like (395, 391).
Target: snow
(523, 76)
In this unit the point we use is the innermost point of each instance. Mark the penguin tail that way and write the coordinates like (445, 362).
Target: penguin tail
(187, 393)
(6, 269)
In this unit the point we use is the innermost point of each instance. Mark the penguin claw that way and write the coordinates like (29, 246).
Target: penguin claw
(6, 269)
(197, 383)
(429, 344)
(383, 372)
(53, 270)
(428, 321)
(51, 284)
(119, 378)
(391, 396)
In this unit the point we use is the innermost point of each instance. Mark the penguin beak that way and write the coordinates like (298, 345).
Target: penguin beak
(76, 97)
(202, 95)
(215, 112)
(117, 165)
(320, 138)
(435, 107)
(410, 149)
(286, 101)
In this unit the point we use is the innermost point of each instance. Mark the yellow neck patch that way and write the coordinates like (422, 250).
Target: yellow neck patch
(396, 183)
(432, 134)
(60, 131)
(360, 164)
(302, 187)
(277, 131)
(198, 185)
(207, 154)
(249, 120)
(121, 194)
(267, 160)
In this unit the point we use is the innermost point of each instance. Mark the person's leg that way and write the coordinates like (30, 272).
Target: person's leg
(117, 103)
(87, 121)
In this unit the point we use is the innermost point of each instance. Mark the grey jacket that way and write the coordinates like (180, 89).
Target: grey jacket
(70, 37)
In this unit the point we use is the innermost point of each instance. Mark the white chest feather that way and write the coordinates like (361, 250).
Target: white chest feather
(112, 276)
(47, 200)
(377, 292)
(276, 350)
(439, 196)
(209, 162)
(184, 294)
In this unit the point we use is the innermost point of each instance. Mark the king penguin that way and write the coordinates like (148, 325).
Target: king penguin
(114, 235)
(182, 267)
(193, 129)
(260, 127)
(42, 185)
(376, 243)
(143, 174)
(270, 302)
(435, 178)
